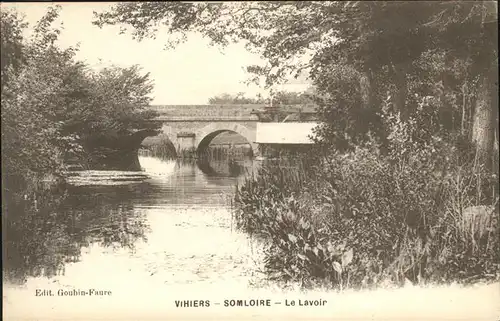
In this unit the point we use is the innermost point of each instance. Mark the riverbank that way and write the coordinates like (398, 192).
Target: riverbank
(361, 220)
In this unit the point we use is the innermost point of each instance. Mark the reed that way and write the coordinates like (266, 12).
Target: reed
(362, 219)
(161, 151)
(224, 153)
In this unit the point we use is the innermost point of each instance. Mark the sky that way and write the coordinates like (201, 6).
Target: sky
(189, 74)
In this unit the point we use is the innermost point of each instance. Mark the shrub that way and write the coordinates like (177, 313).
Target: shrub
(365, 217)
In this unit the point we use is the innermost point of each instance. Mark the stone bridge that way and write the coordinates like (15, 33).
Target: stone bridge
(191, 128)
(187, 130)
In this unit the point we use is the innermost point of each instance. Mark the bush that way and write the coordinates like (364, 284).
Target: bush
(367, 217)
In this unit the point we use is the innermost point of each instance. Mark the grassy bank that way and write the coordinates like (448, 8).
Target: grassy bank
(361, 219)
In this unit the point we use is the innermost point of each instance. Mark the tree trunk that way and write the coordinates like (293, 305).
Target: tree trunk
(369, 89)
(365, 84)
(400, 71)
(484, 124)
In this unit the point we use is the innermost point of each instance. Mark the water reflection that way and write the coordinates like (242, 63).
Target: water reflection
(193, 182)
(115, 210)
(38, 242)
(228, 168)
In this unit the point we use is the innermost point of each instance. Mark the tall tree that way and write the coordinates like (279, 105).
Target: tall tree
(239, 98)
(53, 105)
(11, 31)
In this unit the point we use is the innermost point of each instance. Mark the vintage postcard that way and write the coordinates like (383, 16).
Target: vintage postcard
(258, 160)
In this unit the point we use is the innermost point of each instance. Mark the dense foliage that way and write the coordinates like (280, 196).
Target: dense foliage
(277, 98)
(405, 183)
(362, 218)
(54, 108)
(239, 98)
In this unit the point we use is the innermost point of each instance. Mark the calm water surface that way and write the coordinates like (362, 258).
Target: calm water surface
(168, 225)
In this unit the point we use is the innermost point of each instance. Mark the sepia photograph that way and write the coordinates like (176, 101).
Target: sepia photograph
(250, 160)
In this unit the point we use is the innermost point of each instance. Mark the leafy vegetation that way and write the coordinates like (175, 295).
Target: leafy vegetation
(362, 218)
(239, 98)
(278, 98)
(54, 108)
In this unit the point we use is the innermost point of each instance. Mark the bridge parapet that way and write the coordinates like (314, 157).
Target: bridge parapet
(205, 111)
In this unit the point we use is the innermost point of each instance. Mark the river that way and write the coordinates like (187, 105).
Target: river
(168, 225)
(171, 221)
(164, 235)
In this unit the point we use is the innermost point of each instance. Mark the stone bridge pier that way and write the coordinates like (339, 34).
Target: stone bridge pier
(193, 137)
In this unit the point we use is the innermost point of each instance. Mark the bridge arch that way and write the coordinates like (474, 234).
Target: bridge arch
(160, 144)
(206, 134)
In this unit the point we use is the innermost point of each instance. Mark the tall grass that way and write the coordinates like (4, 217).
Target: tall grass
(364, 219)
(162, 151)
